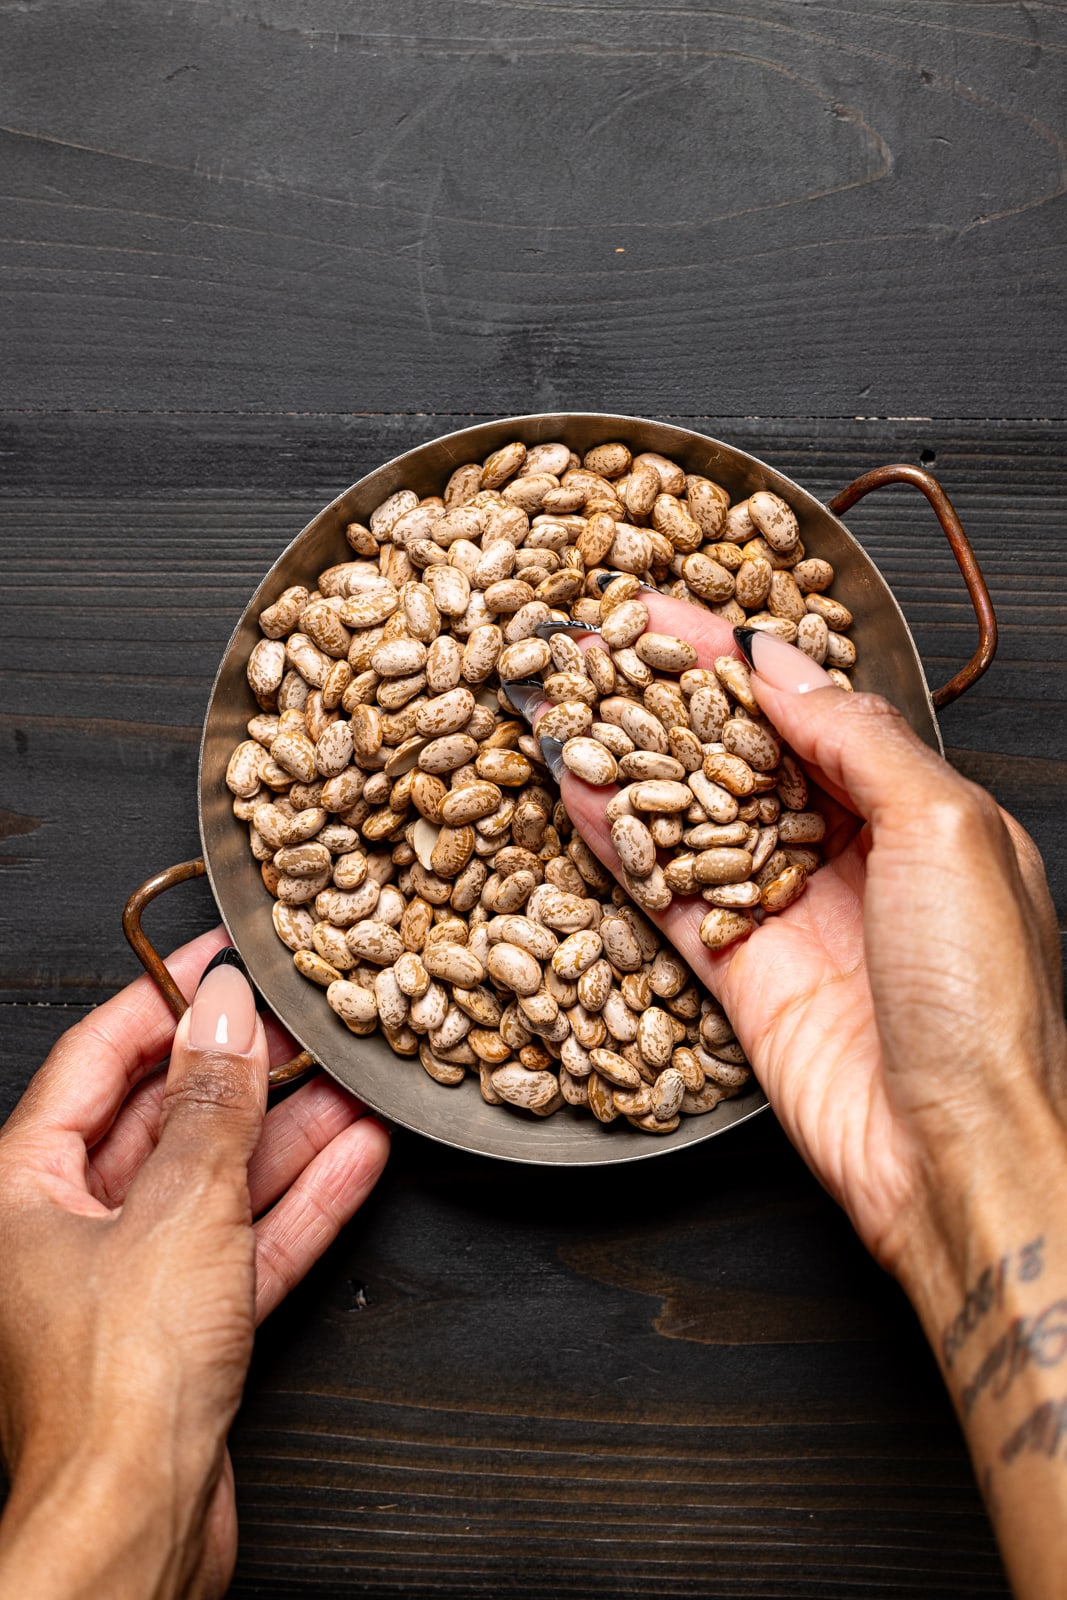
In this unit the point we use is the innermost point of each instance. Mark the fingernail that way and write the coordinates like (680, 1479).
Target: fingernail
(223, 1012)
(783, 665)
(552, 750)
(548, 630)
(604, 578)
(228, 957)
(525, 695)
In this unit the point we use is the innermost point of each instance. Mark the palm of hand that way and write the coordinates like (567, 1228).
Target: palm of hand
(798, 995)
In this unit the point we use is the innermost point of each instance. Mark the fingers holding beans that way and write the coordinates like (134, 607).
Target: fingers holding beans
(403, 816)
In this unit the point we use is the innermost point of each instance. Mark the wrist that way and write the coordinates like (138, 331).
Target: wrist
(104, 1519)
(979, 1203)
(986, 1268)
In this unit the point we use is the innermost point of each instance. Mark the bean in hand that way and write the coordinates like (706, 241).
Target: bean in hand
(423, 869)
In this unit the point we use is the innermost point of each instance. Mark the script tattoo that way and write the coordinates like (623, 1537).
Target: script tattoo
(1042, 1432)
(1040, 1341)
(988, 1294)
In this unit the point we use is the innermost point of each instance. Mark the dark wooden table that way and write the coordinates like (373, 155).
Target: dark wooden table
(251, 250)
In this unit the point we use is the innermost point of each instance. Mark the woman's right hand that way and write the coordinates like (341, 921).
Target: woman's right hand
(905, 1018)
(909, 1003)
(958, 950)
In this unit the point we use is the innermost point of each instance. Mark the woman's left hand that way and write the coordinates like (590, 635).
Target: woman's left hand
(149, 1222)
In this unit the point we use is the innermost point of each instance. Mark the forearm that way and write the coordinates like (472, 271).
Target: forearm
(988, 1278)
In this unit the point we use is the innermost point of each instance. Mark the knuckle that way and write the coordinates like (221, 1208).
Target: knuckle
(865, 721)
(981, 809)
(216, 1083)
(186, 1180)
(277, 1259)
(873, 708)
(962, 814)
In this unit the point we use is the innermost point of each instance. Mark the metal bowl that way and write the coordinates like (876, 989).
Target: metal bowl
(397, 1087)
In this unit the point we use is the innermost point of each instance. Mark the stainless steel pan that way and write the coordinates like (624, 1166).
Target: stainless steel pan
(398, 1088)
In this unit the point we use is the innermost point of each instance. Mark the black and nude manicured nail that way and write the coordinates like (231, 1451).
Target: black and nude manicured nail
(548, 630)
(525, 695)
(223, 1013)
(604, 578)
(744, 637)
(552, 750)
(782, 665)
(228, 957)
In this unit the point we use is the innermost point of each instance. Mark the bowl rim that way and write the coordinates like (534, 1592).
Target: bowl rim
(618, 1145)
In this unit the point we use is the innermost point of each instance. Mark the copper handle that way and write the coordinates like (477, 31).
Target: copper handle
(153, 964)
(966, 560)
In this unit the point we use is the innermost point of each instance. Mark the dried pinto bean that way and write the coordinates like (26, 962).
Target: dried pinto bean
(423, 869)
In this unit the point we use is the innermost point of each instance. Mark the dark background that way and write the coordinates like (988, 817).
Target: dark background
(250, 250)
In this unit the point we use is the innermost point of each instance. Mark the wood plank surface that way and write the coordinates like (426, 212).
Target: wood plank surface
(505, 205)
(689, 1381)
(123, 600)
(247, 253)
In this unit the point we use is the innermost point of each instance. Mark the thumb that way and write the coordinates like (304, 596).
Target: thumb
(861, 747)
(215, 1094)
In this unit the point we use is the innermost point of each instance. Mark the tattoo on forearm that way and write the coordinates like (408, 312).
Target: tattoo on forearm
(1040, 1341)
(1042, 1432)
(988, 1294)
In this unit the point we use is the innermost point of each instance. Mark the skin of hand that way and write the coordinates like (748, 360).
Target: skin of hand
(905, 1019)
(914, 991)
(149, 1220)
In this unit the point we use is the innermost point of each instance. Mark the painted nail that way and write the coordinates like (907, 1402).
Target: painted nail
(548, 630)
(525, 695)
(552, 750)
(604, 578)
(228, 957)
(223, 1012)
(783, 665)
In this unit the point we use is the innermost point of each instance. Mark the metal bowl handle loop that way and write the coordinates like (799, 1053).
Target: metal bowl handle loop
(966, 560)
(154, 965)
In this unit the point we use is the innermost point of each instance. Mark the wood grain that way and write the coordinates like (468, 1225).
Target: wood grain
(123, 600)
(683, 1388)
(247, 253)
(596, 1384)
(513, 205)
(698, 1386)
